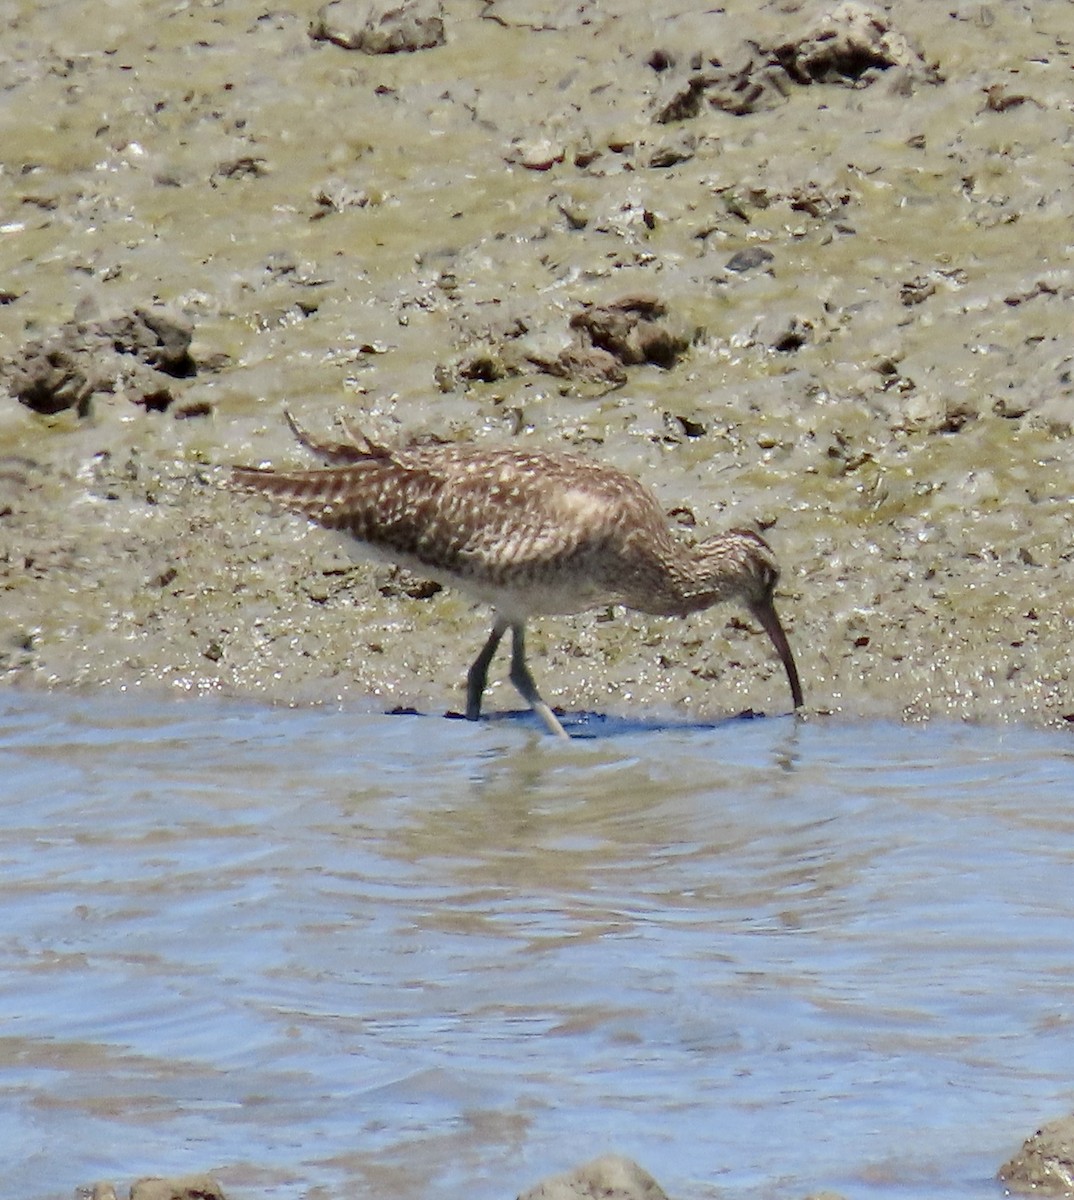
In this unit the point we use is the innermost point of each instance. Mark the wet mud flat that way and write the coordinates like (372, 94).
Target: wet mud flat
(858, 263)
(863, 274)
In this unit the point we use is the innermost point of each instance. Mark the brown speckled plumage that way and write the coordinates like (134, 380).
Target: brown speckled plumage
(527, 532)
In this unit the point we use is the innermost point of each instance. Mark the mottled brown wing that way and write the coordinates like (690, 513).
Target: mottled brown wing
(497, 517)
(510, 516)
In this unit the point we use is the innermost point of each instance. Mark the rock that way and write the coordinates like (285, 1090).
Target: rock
(610, 1177)
(1045, 1164)
(626, 332)
(754, 87)
(156, 337)
(401, 582)
(536, 154)
(850, 45)
(630, 329)
(746, 260)
(685, 102)
(180, 1187)
(246, 166)
(793, 336)
(380, 26)
(588, 364)
(483, 366)
(845, 44)
(337, 196)
(999, 99)
(136, 353)
(670, 154)
(540, 18)
(50, 378)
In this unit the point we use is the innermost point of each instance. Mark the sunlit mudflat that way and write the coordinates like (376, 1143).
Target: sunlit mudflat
(338, 955)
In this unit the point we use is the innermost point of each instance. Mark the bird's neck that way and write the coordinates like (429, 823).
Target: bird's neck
(686, 578)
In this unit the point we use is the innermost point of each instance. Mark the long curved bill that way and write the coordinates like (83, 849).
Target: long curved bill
(765, 612)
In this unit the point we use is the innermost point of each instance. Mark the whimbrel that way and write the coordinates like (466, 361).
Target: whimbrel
(529, 533)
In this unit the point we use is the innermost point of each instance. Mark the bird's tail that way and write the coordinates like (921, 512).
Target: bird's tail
(323, 494)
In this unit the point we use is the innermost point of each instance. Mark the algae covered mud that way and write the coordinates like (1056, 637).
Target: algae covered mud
(798, 266)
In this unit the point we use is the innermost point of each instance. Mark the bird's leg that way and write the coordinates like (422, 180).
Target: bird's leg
(478, 674)
(523, 680)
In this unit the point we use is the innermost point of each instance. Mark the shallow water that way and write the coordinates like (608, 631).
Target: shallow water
(332, 955)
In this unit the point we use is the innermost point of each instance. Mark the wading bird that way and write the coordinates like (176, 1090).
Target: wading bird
(527, 532)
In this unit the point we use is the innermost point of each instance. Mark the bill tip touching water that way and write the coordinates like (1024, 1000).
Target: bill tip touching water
(528, 532)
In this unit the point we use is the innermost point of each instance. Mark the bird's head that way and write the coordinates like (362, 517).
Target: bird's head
(744, 566)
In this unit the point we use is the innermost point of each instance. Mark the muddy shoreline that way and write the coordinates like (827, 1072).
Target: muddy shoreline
(872, 277)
